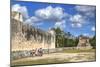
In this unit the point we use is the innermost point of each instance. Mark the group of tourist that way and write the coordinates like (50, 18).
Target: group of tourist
(37, 52)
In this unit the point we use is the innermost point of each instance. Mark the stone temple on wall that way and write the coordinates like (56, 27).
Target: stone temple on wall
(84, 43)
(27, 37)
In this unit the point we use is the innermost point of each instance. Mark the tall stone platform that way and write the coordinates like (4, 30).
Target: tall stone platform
(84, 43)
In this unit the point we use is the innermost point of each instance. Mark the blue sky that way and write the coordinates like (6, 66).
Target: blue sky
(76, 19)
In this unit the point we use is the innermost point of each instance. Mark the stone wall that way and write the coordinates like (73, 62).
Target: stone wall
(84, 43)
(26, 37)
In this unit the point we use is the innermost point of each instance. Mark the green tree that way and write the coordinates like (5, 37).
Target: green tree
(63, 39)
(93, 42)
(70, 42)
(59, 37)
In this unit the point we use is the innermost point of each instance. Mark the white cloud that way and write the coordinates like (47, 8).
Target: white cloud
(77, 20)
(76, 25)
(16, 7)
(86, 10)
(93, 28)
(86, 34)
(21, 9)
(56, 15)
(33, 20)
(50, 13)
(29, 21)
(85, 14)
(61, 24)
(38, 24)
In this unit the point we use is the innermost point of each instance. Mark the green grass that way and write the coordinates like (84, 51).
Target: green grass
(78, 51)
(40, 61)
(51, 61)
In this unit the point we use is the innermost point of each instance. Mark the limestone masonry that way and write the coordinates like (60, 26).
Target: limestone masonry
(27, 37)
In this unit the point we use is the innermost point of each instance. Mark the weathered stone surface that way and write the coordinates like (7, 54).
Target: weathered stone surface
(84, 43)
(26, 37)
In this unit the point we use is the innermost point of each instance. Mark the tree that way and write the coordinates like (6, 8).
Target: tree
(63, 39)
(93, 42)
(70, 42)
(59, 37)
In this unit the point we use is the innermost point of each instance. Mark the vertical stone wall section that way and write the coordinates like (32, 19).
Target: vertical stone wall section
(27, 37)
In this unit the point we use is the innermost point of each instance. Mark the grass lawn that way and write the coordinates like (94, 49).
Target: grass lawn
(40, 61)
(52, 61)
(78, 51)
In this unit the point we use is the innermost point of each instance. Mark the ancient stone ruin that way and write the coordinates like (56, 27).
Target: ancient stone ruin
(84, 43)
(25, 37)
